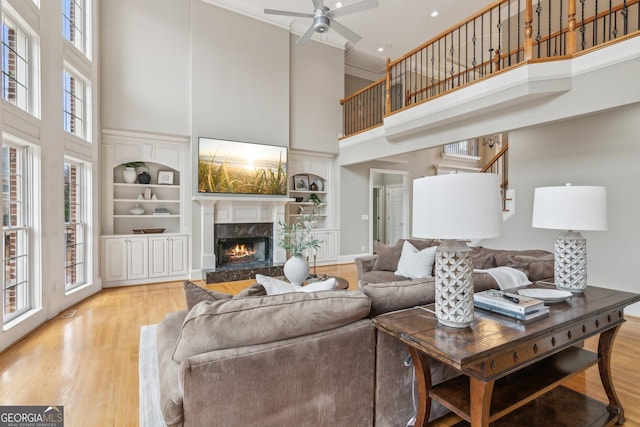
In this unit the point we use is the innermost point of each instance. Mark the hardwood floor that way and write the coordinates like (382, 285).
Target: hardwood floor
(89, 362)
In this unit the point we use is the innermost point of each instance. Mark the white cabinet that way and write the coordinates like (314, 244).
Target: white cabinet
(134, 260)
(328, 251)
(168, 256)
(125, 258)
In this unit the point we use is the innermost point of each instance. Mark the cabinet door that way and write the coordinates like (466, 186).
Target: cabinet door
(158, 256)
(138, 256)
(178, 256)
(114, 266)
(168, 256)
(328, 250)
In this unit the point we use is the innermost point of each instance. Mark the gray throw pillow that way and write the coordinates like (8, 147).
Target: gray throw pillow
(388, 256)
(194, 294)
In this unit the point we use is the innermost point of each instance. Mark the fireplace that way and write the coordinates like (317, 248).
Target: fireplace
(241, 246)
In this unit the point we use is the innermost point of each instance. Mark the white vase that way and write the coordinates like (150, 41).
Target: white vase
(296, 270)
(130, 175)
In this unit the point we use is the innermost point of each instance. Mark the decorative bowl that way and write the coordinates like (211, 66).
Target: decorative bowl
(152, 230)
(299, 199)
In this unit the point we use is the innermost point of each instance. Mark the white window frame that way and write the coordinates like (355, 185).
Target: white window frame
(30, 101)
(81, 92)
(78, 264)
(28, 192)
(464, 150)
(82, 24)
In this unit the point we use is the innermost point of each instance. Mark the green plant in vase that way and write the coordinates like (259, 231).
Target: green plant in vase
(296, 237)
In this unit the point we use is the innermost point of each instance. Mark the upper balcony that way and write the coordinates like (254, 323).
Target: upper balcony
(511, 52)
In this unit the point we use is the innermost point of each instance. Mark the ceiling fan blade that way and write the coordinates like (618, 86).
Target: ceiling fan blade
(352, 8)
(287, 13)
(345, 32)
(306, 36)
(318, 4)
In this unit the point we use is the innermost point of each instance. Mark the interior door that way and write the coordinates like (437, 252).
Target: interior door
(394, 222)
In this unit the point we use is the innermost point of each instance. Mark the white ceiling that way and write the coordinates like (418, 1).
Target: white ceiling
(396, 25)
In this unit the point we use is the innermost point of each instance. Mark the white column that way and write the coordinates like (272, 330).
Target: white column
(207, 239)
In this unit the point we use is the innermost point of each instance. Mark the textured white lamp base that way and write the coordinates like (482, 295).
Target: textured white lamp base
(571, 262)
(454, 284)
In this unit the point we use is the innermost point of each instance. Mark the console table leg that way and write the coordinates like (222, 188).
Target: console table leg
(605, 348)
(423, 380)
(480, 401)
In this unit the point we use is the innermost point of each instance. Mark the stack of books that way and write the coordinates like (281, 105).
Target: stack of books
(509, 304)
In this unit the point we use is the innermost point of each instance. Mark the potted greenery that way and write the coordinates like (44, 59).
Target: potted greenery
(296, 237)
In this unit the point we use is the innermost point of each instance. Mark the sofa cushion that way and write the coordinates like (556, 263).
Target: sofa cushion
(389, 256)
(390, 296)
(381, 277)
(536, 267)
(414, 263)
(483, 258)
(241, 322)
(194, 294)
(255, 290)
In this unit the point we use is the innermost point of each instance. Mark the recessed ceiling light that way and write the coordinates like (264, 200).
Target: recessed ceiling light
(380, 49)
(435, 13)
(338, 5)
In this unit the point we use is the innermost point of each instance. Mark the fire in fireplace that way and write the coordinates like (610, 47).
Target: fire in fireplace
(243, 245)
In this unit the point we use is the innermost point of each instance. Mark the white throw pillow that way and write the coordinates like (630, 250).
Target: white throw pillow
(416, 264)
(276, 286)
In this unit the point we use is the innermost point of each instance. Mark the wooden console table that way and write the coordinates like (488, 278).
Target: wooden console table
(512, 370)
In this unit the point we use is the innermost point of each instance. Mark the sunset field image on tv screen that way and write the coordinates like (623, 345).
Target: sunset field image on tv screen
(234, 167)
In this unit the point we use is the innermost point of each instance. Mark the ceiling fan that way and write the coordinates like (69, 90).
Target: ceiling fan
(323, 18)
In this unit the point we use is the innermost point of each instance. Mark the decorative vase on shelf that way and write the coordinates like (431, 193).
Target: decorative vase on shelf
(144, 178)
(296, 270)
(129, 175)
(137, 210)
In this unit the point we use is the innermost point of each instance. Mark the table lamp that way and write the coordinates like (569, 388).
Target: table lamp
(455, 208)
(570, 208)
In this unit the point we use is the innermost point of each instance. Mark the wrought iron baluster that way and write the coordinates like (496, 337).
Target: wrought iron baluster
(583, 41)
(519, 32)
(538, 37)
(625, 18)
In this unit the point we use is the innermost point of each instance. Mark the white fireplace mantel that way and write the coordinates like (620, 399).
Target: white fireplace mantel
(235, 210)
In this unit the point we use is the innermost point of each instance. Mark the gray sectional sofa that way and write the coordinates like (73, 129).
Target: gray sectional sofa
(298, 359)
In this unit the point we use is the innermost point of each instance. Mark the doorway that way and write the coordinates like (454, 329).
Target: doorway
(389, 206)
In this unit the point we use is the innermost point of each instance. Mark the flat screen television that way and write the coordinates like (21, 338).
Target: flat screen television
(235, 167)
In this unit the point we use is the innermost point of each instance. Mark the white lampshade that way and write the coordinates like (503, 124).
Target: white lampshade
(457, 206)
(570, 208)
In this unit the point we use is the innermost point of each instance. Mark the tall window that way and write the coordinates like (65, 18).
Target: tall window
(74, 98)
(15, 64)
(17, 229)
(74, 223)
(73, 23)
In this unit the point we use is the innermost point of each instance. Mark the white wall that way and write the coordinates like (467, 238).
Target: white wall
(145, 65)
(240, 77)
(316, 88)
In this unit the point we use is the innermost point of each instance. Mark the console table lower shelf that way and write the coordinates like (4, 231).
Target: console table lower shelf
(532, 396)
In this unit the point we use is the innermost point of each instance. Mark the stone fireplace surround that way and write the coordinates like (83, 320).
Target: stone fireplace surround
(239, 210)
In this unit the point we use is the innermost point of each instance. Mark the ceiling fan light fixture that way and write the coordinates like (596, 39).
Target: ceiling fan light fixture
(321, 23)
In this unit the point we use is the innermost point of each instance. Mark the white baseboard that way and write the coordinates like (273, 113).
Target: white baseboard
(347, 259)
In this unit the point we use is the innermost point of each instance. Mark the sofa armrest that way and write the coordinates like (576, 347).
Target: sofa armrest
(364, 264)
